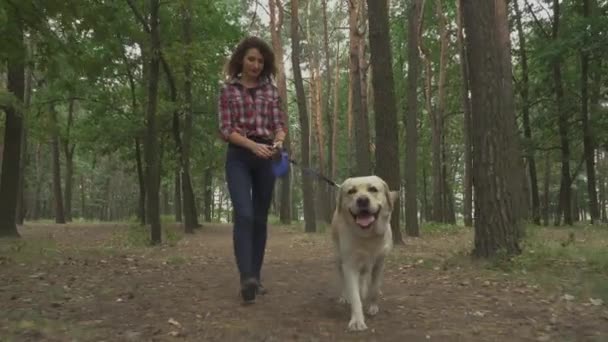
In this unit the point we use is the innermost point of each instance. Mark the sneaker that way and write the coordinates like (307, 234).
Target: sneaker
(248, 290)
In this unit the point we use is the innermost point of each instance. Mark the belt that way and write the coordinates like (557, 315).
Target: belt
(261, 140)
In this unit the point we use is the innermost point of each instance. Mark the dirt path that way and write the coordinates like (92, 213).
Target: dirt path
(189, 293)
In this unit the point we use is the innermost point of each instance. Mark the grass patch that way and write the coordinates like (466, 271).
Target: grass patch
(20, 250)
(571, 260)
(442, 228)
(138, 236)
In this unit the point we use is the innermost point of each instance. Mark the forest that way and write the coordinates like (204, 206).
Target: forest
(489, 118)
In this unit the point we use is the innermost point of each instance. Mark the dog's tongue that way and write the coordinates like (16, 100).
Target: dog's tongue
(365, 220)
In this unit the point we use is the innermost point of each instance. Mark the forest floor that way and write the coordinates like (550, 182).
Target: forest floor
(99, 282)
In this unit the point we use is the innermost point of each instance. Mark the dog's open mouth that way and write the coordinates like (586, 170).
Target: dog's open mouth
(365, 218)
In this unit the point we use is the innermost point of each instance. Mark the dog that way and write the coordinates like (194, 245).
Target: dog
(362, 238)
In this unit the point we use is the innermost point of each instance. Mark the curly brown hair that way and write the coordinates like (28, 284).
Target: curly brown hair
(235, 64)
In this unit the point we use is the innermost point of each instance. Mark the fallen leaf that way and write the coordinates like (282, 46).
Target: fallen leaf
(596, 302)
(568, 297)
(174, 322)
(543, 338)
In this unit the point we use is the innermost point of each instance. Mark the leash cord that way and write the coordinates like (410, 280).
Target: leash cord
(310, 171)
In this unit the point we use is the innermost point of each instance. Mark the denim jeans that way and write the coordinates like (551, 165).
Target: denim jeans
(250, 183)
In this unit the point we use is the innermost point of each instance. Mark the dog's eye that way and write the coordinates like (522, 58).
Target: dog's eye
(352, 191)
(372, 189)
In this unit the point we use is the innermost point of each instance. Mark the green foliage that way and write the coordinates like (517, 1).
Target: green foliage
(572, 260)
(26, 251)
(138, 236)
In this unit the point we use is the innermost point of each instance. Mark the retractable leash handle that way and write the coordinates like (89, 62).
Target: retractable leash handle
(280, 164)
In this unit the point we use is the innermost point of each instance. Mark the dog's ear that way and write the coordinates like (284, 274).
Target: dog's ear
(391, 196)
(339, 198)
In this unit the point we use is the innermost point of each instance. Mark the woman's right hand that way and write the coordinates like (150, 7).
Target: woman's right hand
(262, 150)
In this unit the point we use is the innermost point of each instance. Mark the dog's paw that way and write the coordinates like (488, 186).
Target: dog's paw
(356, 325)
(373, 309)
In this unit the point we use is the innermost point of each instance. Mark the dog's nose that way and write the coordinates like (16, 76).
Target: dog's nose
(363, 201)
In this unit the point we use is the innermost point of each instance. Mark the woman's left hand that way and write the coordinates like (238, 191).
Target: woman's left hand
(278, 145)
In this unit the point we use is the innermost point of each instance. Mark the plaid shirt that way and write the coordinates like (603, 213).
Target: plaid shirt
(259, 116)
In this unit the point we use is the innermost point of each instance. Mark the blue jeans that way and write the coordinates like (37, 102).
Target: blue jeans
(250, 183)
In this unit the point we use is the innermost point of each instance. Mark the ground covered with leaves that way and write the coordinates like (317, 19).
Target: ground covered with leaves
(99, 282)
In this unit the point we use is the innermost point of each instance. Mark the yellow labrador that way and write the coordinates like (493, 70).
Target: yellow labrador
(362, 237)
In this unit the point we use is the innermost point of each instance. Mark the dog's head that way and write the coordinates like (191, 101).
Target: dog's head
(367, 201)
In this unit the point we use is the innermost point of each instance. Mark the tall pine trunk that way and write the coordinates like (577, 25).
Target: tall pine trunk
(187, 188)
(494, 137)
(385, 107)
(276, 25)
(411, 120)
(306, 182)
(588, 143)
(9, 178)
(466, 106)
(68, 150)
(152, 150)
(565, 192)
(525, 98)
(57, 194)
(361, 128)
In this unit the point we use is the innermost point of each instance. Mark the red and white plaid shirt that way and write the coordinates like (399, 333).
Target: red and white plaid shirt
(258, 116)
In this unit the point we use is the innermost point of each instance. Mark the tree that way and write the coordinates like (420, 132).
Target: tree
(385, 107)
(151, 147)
(11, 155)
(493, 133)
(307, 188)
(525, 98)
(588, 144)
(359, 112)
(466, 106)
(276, 24)
(411, 120)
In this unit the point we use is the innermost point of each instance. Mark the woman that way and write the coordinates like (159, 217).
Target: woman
(252, 122)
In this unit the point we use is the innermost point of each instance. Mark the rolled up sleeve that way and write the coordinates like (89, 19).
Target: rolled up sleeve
(226, 120)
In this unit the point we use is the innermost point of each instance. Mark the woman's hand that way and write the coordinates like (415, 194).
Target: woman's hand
(262, 150)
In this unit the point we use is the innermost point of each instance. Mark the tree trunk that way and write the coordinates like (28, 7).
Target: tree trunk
(385, 107)
(494, 146)
(141, 212)
(525, 98)
(276, 25)
(411, 120)
(208, 194)
(438, 212)
(603, 161)
(361, 128)
(57, 195)
(152, 146)
(9, 178)
(22, 203)
(177, 198)
(588, 141)
(447, 207)
(330, 116)
(307, 186)
(466, 106)
(333, 158)
(68, 150)
(187, 187)
(565, 193)
(83, 204)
